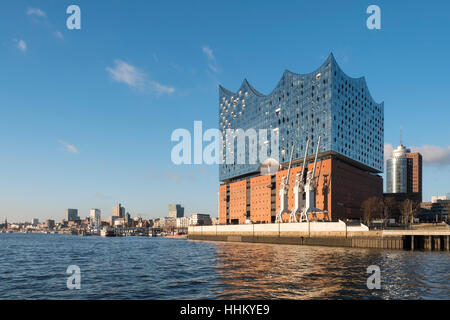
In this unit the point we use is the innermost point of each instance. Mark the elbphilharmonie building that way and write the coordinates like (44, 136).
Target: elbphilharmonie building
(326, 103)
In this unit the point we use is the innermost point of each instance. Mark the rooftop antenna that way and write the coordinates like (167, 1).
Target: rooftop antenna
(401, 135)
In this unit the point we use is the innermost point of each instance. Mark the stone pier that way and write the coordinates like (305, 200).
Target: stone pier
(336, 234)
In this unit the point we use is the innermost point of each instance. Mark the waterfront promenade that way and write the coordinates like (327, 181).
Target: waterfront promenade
(337, 234)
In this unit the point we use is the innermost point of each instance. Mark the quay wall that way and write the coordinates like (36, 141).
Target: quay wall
(335, 234)
(309, 229)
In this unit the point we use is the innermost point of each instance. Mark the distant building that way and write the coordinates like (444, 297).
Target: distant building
(95, 218)
(128, 220)
(119, 211)
(50, 224)
(397, 170)
(437, 210)
(72, 215)
(200, 219)
(404, 173)
(176, 211)
(35, 221)
(167, 222)
(142, 223)
(119, 222)
(112, 219)
(74, 223)
(414, 173)
(4, 225)
(437, 198)
(182, 222)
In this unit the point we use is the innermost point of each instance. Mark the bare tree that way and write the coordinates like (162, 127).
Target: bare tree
(405, 208)
(409, 209)
(389, 205)
(372, 207)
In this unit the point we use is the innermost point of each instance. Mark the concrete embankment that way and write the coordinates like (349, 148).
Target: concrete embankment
(335, 234)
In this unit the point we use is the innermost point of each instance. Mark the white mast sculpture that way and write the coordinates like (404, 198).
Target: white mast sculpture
(299, 189)
(310, 190)
(284, 190)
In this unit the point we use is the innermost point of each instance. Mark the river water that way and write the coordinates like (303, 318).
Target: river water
(33, 266)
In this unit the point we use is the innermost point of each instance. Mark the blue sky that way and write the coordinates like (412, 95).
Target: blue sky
(86, 115)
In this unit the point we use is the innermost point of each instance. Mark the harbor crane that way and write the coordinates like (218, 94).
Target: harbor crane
(310, 191)
(284, 191)
(299, 189)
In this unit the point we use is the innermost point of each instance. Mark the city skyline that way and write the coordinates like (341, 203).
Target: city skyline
(95, 212)
(86, 117)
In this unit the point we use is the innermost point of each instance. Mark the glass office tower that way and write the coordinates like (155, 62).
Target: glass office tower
(397, 171)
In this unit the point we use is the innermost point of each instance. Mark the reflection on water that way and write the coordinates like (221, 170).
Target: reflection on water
(261, 271)
(34, 267)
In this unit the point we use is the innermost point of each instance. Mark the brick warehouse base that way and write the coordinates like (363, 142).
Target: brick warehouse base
(340, 190)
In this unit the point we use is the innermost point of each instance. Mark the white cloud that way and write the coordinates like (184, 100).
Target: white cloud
(58, 34)
(434, 155)
(69, 147)
(21, 45)
(209, 53)
(176, 67)
(388, 148)
(159, 88)
(123, 72)
(36, 12)
(212, 63)
(126, 73)
(431, 155)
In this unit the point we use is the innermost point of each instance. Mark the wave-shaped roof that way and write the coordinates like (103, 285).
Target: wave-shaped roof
(329, 62)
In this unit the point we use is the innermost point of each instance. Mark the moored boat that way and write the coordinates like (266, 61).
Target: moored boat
(107, 232)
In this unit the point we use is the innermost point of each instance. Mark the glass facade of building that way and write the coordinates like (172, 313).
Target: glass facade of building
(325, 102)
(397, 171)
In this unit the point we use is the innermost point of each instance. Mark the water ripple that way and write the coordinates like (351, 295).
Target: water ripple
(34, 267)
